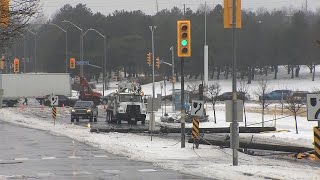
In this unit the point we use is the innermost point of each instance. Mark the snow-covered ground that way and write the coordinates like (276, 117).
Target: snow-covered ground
(208, 161)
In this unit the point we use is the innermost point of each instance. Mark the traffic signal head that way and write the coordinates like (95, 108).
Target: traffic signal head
(1, 64)
(184, 38)
(149, 59)
(16, 64)
(4, 13)
(72, 63)
(228, 12)
(158, 62)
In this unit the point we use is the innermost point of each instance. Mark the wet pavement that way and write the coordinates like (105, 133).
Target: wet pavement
(35, 154)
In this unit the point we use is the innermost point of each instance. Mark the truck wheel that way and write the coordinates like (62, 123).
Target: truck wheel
(107, 116)
(119, 121)
(95, 119)
(10, 104)
(91, 118)
(77, 119)
(72, 119)
(143, 121)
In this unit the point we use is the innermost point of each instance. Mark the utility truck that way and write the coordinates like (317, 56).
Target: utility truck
(126, 104)
(36, 85)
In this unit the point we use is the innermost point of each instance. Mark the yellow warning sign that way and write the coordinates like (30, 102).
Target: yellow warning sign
(54, 112)
(195, 128)
(316, 134)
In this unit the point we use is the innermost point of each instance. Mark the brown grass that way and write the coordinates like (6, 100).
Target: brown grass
(271, 111)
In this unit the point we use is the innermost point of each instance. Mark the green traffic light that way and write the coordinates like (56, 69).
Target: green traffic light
(184, 42)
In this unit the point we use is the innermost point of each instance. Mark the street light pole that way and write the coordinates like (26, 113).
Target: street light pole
(35, 50)
(81, 45)
(173, 90)
(152, 28)
(105, 54)
(65, 31)
(24, 52)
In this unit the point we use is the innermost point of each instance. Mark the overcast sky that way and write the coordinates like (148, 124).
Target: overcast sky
(149, 6)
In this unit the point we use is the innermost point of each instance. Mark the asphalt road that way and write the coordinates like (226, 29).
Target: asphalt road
(34, 154)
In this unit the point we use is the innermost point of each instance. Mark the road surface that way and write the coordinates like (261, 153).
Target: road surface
(34, 154)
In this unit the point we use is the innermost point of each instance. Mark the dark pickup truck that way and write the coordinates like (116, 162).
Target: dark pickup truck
(84, 110)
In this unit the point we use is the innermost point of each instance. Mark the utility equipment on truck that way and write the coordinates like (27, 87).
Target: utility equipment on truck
(86, 92)
(127, 104)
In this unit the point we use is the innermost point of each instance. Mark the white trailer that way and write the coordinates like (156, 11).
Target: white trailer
(16, 86)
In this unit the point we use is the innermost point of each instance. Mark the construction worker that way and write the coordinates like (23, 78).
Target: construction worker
(25, 101)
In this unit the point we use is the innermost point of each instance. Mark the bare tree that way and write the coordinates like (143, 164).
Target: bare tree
(21, 13)
(261, 92)
(213, 92)
(294, 104)
(244, 88)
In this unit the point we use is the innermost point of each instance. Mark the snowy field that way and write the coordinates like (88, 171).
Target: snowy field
(284, 81)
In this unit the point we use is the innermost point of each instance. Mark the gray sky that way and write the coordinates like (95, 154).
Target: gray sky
(149, 6)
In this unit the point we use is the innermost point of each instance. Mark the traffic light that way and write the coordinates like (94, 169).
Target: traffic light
(1, 64)
(149, 59)
(16, 64)
(184, 38)
(4, 13)
(158, 62)
(72, 63)
(227, 14)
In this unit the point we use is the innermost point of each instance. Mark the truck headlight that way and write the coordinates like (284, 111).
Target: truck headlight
(88, 111)
(72, 110)
(121, 110)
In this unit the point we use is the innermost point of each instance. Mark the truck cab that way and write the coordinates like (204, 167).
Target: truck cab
(127, 104)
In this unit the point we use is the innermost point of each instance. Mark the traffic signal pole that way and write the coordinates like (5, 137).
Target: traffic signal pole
(183, 121)
(234, 126)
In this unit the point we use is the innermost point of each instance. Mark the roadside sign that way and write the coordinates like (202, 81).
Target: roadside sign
(77, 79)
(197, 108)
(82, 63)
(228, 104)
(313, 107)
(316, 135)
(54, 114)
(54, 100)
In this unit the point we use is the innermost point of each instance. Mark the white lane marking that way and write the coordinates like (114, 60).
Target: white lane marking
(101, 156)
(112, 171)
(48, 158)
(21, 159)
(81, 172)
(14, 177)
(45, 174)
(74, 157)
(147, 170)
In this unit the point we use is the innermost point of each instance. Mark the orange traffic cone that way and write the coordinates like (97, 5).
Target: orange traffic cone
(22, 107)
